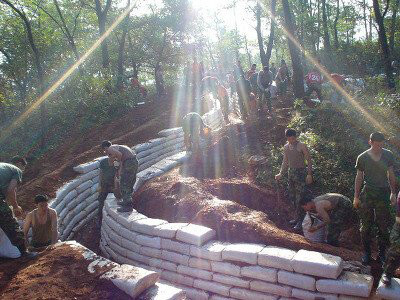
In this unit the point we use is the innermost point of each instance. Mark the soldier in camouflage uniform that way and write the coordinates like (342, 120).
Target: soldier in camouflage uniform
(125, 158)
(335, 210)
(10, 177)
(107, 175)
(294, 155)
(393, 254)
(374, 167)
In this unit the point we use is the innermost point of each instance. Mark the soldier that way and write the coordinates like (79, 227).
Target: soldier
(393, 254)
(107, 176)
(125, 158)
(335, 210)
(10, 177)
(374, 167)
(294, 155)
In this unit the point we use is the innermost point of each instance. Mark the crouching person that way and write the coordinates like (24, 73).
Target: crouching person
(335, 210)
(392, 261)
(125, 158)
(43, 221)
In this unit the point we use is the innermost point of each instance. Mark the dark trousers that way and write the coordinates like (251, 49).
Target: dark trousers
(10, 226)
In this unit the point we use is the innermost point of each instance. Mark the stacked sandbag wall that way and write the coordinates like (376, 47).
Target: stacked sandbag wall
(188, 256)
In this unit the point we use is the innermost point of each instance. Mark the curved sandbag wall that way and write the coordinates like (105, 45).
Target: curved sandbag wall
(187, 255)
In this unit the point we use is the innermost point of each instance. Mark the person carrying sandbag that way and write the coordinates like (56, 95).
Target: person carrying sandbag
(334, 210)
(125, 159)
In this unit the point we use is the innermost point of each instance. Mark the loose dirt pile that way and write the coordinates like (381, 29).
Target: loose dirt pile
(238, 210)
(60, 273)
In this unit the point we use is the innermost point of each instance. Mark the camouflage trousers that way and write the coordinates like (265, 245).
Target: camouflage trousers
(342, 217)
(296, 188)
(128, 179)
(10, 225)
(375, 210)
(393, 254)
(105, 189)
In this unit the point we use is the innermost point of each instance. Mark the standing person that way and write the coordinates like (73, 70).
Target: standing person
(294, 155)
(106, 181)
(10, 177)
(251, 72)
(282, 78)
(195, 131)
(392, 261)
(43, 221)
(314, 83)
(335, 210)
(223, 98)
(125, 158)
(264, 81)
(243, 88)
(374, 168)
(252, 77)
(232, 83)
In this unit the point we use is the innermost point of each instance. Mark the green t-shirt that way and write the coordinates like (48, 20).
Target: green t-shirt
(8, 172)
(107, 172)
(375, 172)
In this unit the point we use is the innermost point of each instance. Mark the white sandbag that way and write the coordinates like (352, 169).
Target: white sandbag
(180, 157)
(179, 247)
(195, 234)
(137, 257)
(68, 198)
(230, 280)
(95, 187)
(163, 292)
(271, 288)
(166, 164)
(297, 280)
(175, 257)
(348, 283)
(78, 199)
(390, 293)
(118, 249)
(276, 257)
(243, 294)
(87, 167)
(141, 147)
(7, 249)
(307, 295)
(131, 280)
(192, 293)
(199, 263)
(146, 225)
(127, 221)
(84, 186)
(89, 176)
(168, 230)
(202, 274)
(171, 131)
(149, 241)
(242, 252)
(213, 287)
(132, 246)
(212, 250)
(317, 236)
(156, 141)
(257, 272)
(128, 234)
(225, 268)
(178, 278)
(150, 173)
(152, 252)
(317, 264)
(170, 266)
(66, 188)
(96, 179)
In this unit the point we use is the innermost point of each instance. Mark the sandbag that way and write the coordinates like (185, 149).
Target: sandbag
(316, 236)
(7, 249)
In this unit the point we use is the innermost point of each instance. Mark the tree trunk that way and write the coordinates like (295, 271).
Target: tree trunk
(298, 83)
(393, 24)
(327, 43)
(121, 51)
(247, 50)
(318, 22)
(384, 45)
(365, 19)
(335, 30)
(272, 32)
(38, 65)
(102, 19)
(263, 56)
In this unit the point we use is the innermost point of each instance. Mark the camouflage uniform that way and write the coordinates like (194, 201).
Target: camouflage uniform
(393, 254)
(107, 174)
(375, 209)
(128, 179)
(10, 225)
(342, 217)
(296, 188)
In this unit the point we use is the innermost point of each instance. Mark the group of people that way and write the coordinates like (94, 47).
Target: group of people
(371, 204)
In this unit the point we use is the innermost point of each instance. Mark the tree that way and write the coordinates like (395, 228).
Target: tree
(272, 31)
(263, 56)
(379, 18)
(121, 50)
(298, 81)
(393, 25)
(102, 19)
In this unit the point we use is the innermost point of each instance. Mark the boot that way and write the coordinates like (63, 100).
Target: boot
(366, 258)
(386, 280)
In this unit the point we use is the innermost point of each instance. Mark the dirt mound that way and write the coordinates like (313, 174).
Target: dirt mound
(60, 273)
(238, 210)
(50, 172)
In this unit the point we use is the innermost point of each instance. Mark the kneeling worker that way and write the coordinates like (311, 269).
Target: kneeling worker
(43, 221)
(336, 212)
(125, 158)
